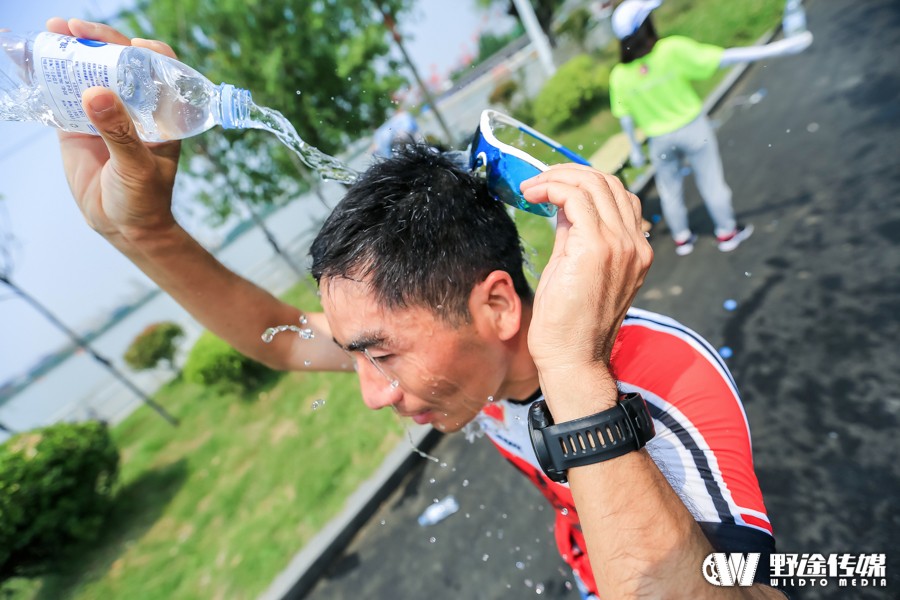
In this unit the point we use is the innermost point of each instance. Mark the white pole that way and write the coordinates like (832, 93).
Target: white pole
(536, 34)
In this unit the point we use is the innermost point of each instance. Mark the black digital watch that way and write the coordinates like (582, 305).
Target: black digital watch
(625, 427)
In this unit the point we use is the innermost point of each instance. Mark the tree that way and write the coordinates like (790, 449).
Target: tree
(56, 488)
(544, 10)
(323, 65)
(155, 344)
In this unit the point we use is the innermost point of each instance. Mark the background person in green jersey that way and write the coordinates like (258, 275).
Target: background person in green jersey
(651, 89)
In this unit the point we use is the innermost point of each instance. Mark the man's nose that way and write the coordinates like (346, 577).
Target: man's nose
(377, 390)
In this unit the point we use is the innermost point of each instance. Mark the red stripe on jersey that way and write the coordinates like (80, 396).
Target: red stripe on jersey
(668, 366)
(754, 520)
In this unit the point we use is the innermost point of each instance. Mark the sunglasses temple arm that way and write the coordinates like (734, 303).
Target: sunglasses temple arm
(573, 156)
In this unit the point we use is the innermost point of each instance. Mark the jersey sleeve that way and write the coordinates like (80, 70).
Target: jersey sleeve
(690, 58)
(702, 444)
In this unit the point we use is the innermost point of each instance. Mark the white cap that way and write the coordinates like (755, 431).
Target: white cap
(630, 15)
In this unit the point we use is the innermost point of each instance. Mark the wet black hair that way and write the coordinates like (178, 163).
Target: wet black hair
(639, 43)
(422, 231)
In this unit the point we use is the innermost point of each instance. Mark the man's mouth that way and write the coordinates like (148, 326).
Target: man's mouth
(423, 418)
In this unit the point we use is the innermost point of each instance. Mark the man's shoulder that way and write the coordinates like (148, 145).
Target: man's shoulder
(644, 318)
(650, 336)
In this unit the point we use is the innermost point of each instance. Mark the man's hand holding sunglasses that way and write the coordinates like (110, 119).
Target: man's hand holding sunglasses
(599, 261)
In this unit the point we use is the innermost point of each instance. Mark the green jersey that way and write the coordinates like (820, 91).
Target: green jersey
(655, 90)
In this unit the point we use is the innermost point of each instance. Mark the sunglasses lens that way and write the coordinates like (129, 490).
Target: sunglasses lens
(505, 176)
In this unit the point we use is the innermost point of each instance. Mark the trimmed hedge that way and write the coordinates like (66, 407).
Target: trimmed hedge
(577, 88)
(56, 487)
(212, 362)
(155, 344)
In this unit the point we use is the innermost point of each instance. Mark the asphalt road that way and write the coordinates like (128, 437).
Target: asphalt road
(815, 167)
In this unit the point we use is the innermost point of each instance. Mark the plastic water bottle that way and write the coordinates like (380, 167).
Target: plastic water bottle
(438, 511)
(42, 78)
(794, 20)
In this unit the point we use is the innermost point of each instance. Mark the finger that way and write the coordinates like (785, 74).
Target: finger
(128, 154)
(575, 204)
(97, 31)
(58, 25)
(597, 187)
(155, 45)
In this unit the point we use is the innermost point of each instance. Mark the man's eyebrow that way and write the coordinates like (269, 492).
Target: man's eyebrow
(364, 342)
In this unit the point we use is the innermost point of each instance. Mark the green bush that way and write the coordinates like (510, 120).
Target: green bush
(212, 362)
(155, 344)
(577, 88)
(56, 488)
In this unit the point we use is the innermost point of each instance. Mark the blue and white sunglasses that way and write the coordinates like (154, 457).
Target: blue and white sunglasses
(506, 167)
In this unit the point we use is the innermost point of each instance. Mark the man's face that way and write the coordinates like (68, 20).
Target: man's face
(412, 361)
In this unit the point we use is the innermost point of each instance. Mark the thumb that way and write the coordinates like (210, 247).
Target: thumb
(107, 113)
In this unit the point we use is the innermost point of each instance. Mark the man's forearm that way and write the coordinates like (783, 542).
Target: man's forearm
(230, 306)
(641, 539)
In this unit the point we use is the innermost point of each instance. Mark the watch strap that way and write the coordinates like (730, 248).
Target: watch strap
(625, 427)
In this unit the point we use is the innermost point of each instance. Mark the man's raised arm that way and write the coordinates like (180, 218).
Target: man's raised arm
(124, 189)
(642, 541)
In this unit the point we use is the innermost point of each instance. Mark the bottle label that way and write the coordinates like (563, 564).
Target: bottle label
(66, 66)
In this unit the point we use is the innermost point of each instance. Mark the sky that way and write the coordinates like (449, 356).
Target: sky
(56, 258)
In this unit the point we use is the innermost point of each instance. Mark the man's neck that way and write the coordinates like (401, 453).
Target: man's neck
(522, 376)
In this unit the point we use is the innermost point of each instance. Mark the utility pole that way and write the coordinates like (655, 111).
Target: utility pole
(536, 35)
(392, 27)
(82, 343)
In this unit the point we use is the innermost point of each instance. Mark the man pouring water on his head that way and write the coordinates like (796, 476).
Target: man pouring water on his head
(626, 420)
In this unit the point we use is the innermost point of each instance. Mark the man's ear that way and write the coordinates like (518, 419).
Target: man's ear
(494, 304)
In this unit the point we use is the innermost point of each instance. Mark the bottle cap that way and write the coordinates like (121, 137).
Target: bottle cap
(234, 103)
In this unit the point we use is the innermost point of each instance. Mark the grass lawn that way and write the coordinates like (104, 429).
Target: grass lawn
(217, 507)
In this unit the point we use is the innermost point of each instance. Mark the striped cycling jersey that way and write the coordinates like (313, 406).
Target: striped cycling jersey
(702, 441)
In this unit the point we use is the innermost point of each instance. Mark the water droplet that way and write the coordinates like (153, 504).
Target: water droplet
(485, 557)
(432, 480)
(564, 512)
(490, 398)
(539, 588)
(747, 273)
(833, 435)
(318, 404)
(270, 333)
(432, 539)
(529, 583)
(730, 304)
(569, 585)
(307, 363)
(303, 320)
(465, 483)
(726, 352)
(787, 130)
(299, 92)
(395, 384)
(383, 521)
(581, 146)
(812, 127)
